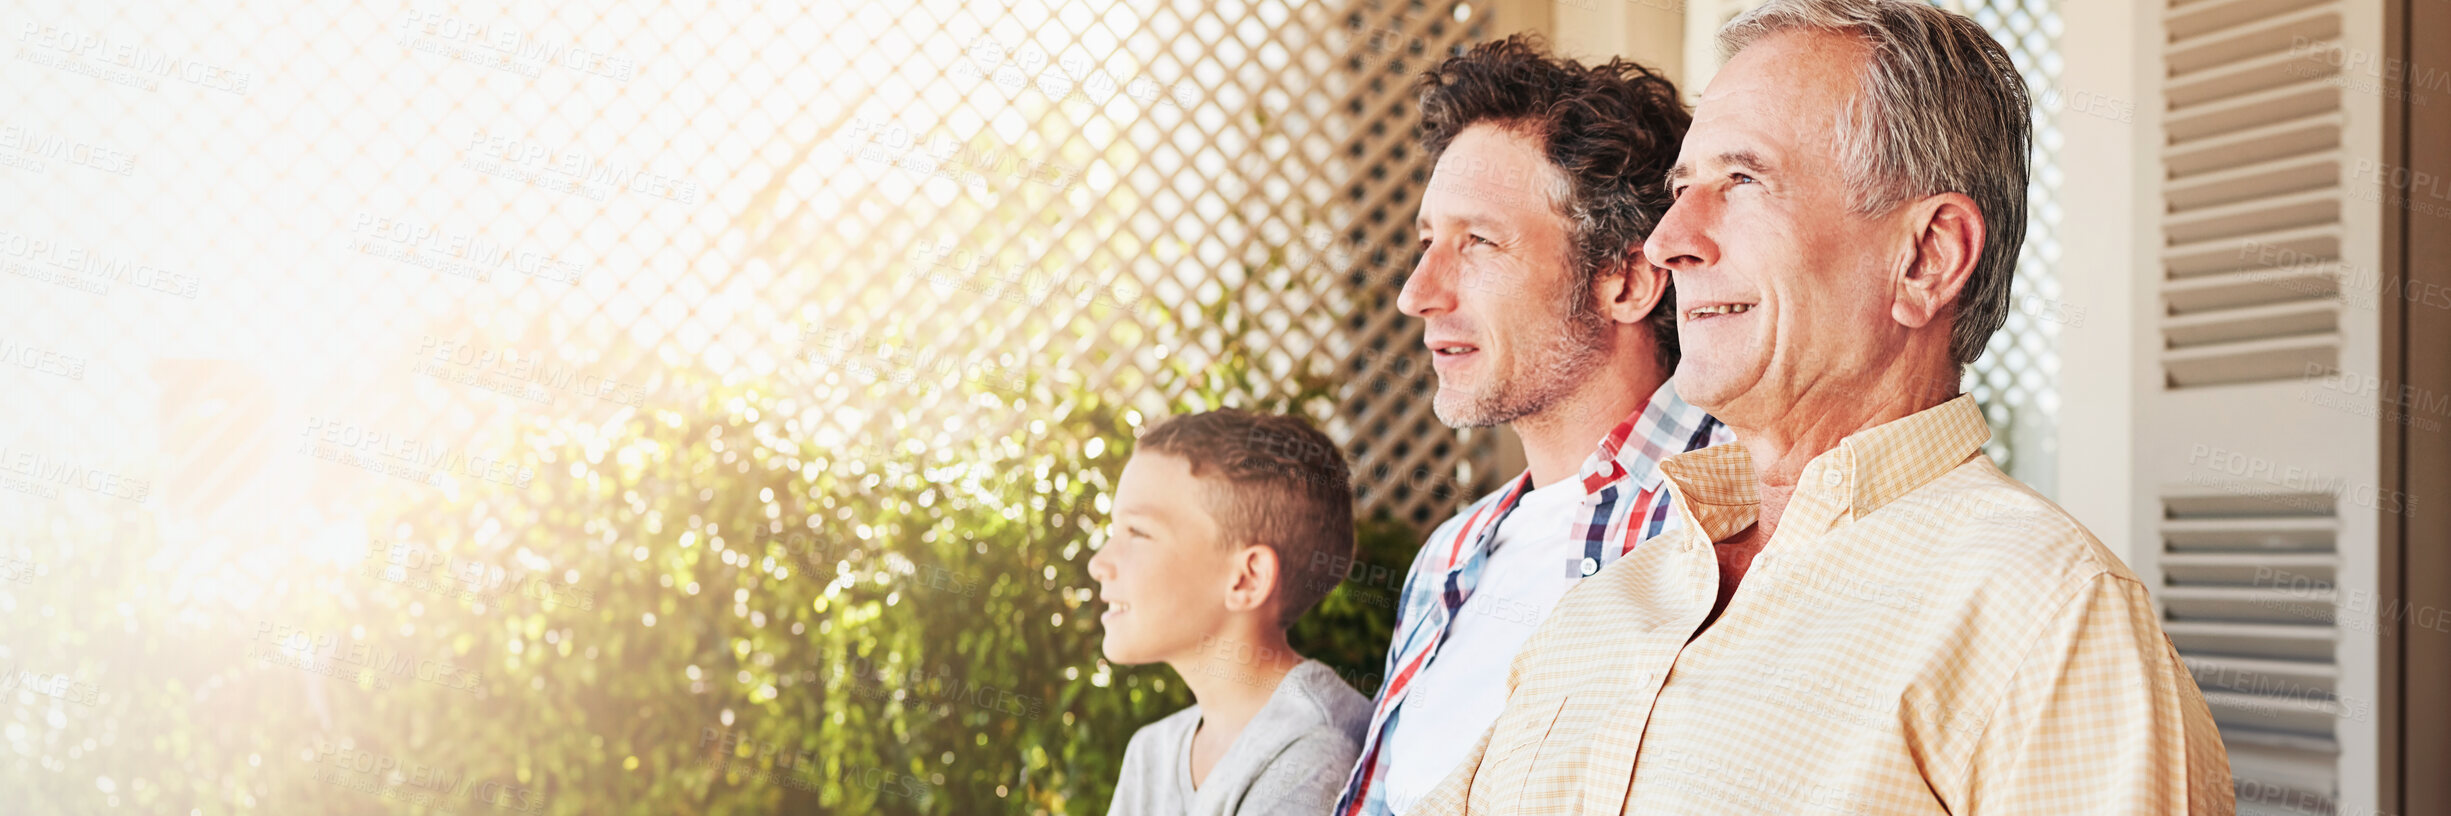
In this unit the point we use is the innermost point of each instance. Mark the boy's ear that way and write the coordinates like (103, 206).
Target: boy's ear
(1255, 578)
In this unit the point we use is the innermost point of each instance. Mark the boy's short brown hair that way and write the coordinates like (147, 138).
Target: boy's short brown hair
(1280, 484)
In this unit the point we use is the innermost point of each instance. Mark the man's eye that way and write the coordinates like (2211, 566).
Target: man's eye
(1479, 240)
(1741, 178)
(1676, 192)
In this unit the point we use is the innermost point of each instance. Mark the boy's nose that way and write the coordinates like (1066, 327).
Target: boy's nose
(1102, 565)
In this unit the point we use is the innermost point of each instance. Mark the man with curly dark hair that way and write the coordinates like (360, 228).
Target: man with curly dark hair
(1541, 313)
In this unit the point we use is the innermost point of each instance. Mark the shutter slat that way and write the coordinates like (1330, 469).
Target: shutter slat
(2260, 360)
(2247, 568)
(2248, 76)
(2281, 139)
(2249, 323)
(2246, 252)
(2255, 287)
(2248, 180)
(2313, 208)
(2186, 21)
(2279, 33)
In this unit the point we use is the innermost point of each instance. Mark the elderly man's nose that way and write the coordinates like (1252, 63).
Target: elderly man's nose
(1679, 243)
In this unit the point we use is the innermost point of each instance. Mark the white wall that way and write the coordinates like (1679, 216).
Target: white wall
(2106, 268)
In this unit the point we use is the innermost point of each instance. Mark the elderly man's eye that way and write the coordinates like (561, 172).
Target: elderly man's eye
(1475, 239)
(1741, 178)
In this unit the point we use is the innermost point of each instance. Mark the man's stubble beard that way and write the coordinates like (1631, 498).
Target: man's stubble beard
(1537, 380)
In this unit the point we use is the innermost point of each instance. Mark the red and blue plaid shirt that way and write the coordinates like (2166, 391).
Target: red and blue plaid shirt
(1625, 501)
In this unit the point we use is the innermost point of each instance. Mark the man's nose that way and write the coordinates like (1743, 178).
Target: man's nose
(1429, 290)
(1682, 240)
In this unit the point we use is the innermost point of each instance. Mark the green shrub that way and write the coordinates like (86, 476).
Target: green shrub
(705, 612)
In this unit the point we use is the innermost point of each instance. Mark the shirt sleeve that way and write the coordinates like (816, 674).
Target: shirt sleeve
(2100, 717)
(1303, 779)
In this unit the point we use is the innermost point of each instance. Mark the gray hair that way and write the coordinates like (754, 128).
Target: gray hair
(1942, 109)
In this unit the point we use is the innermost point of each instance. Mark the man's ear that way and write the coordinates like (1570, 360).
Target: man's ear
(1948, 243)
(1628, 289)
(1255, 578)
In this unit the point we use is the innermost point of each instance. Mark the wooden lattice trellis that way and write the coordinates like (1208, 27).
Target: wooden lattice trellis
(827, 196)
(2015, 377)
(1213, 177)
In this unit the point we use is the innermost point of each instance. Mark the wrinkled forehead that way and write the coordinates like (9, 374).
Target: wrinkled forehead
(1784, 95)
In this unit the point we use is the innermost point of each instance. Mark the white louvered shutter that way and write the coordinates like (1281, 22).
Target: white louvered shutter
(2262, 556)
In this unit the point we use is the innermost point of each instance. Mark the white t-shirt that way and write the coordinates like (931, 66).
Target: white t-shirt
(1455, 698)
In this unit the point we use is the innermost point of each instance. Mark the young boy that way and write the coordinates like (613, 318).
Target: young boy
(1228, 526)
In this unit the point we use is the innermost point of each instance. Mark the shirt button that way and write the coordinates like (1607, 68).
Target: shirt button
(1830, 478)
(1590, 566)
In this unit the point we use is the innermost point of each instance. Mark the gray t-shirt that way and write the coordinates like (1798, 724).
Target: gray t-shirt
(1292, 758)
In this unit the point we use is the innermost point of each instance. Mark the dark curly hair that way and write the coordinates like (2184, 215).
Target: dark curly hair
(1611, 130)
(1278, 483)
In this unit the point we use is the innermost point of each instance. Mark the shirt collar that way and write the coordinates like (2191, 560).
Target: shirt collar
(1868, 469)
(1894, 458)
(1664, 425)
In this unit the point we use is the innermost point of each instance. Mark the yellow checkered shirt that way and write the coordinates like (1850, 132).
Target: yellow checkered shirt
(1921, 635)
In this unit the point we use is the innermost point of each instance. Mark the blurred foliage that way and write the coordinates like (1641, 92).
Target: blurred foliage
(715, 603)
(762, 625)
(684, 611)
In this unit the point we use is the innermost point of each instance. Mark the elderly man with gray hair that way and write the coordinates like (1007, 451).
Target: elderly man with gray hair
(1859, 613)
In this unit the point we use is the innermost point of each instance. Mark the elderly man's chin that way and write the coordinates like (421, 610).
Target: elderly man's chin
(1723, 356)
(1713, 379)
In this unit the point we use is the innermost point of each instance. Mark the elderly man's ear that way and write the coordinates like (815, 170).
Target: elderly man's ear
(1948, 243)
(1627, 292)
